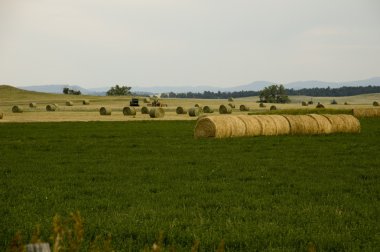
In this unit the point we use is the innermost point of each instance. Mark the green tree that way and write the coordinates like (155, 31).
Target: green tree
(274, 94)
(119, 90)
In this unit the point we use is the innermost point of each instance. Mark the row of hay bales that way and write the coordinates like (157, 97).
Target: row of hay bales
(272, 125)
(366, 112)
(131, 111)
(49, 107)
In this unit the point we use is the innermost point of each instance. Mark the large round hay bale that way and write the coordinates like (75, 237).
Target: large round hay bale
(69, 103)
(144, 110)
(282, 124)
(157, 113)
(262, 105)
(219, 127)
(33, 105)
(244, 108)
(86, 102)
(225, 109)
(195, 111)
(105, 111)
(252, 125)
(231, 105)
(304, 103)
(273, 107)
(343, 123)
(208, 109)
(51, 107)
(324, 125)
(230, 99)
(375, 103)
(180, 110)
(366, 112)
(17, 109)
(146, 100)
(268, 126)
(129, 111)
(302, 124)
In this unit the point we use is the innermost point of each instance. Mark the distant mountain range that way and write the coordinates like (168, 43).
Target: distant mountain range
(254, 86)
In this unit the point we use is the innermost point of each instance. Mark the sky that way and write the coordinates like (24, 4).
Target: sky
(223, 43)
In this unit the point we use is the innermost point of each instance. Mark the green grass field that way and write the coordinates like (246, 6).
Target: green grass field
(135, 179)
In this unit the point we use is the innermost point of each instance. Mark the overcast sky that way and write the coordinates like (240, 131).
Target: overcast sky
(96, 43)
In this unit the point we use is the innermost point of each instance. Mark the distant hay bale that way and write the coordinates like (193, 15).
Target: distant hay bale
(231, 105)
(375, 103)
(195, 111)
(17, 109)
(302, 124)
(51, 107)
(69, 103)
(310, 102)
(1, 115)
(208, 109)
(230, 99)
(345, 103)
(343, 123)
(33, 105)
(320, 105)
(273, 107)
(262, 105)
(86, 102)
(157, 113)
(129, 111)
(105, 111)
(180, 110)
(225, 109)
(369, 112)
(243, 108)
(324, 125)
(304, 103)
(197, 105)
(144, 110)
(147, 100)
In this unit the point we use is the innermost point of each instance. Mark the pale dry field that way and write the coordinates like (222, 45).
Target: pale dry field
(78, 112)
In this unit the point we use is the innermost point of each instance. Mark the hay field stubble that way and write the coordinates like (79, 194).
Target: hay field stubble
(134, 179)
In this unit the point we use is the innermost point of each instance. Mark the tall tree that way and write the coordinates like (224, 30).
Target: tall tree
(119, 91)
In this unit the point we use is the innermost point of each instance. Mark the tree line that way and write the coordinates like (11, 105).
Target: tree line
(317, 92)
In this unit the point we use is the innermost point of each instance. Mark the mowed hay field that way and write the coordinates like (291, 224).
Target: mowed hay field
(10, 96)
(137, 179)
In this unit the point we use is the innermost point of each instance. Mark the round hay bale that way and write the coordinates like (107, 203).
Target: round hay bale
(86, 102)
(230, 99)
(51, 107)
(144, 110)
(282, 124)
(33, 105)
(370, 112)
(197, 105)
(195, 111)
(343, 123)
(69, 103)
(180, 110)
(157, 113)
(324, 125)
(345, 103)
(225, 109)
(273, 107)
(375, 103)
(105, 111)
(129, 111)
(252, 125)
(147, 100)
(310, 102)
(231, 105)
(219, 127)
(268, 126)
(302, 124)
(208, 109)
(1, 115)
(320, 105)
(304, 103)
(17, 109)
(262, 105)
(243, 108)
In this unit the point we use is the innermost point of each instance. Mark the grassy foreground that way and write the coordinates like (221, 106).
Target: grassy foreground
(135, 179)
